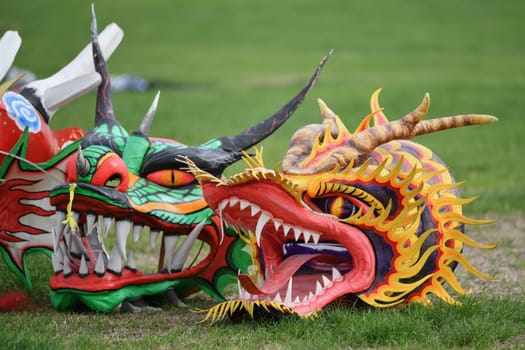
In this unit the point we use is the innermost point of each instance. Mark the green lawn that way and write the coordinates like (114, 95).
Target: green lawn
(236, 62)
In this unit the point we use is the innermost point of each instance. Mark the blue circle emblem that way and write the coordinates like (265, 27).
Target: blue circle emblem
(22, 112)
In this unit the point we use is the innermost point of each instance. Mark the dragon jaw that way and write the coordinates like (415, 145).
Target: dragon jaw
(307, 259)
(100, 278)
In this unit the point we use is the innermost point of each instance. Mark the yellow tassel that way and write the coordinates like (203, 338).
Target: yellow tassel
(69, 215)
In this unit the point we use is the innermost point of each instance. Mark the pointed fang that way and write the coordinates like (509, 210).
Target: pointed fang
(115, 264)
(130, 262)
(100, 269)
(83, 269)
(263, 219)
(122, 228)
(170, 242)
(184, 250)
(288, 297)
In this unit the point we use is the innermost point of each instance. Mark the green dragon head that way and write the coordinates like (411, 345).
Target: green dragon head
(366, 216)
(142, 183)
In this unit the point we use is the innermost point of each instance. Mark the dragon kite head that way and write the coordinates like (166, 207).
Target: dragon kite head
(141, 183)
(33, 157)
(366, 215)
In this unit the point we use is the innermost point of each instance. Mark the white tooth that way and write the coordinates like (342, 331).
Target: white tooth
(278, 299)
(285, 252)
(100, 269)
(316, 237)
(66, 267)
(100, 225)
(74, 246)
(286, 229)
(243, 204)
(90, 223)
(221, 230)
(277, 223)
(67, 233)
(296, 233)
(114, 263)
(77, 246)
(305, 299)
(318, 288)
(239, 287)
(170, 242)
(263, 219)
(183, 252)
(306, 235)
(57, 260)
(137, 230)
(336, 275)
(54, 237)
(122, 228)
(288, 297)
(222, 205)
(310, 295)
(67, 238)
(76, 216)
(59, 253)
(255, 209)
(107, 225)
(59, 225)
(83, 269)
(297, 300)
(233, 201)
(153, 234)
(130, 262)
(326, 281)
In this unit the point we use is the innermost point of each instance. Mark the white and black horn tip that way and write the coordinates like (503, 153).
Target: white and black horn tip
(83, 165)
(148, 118)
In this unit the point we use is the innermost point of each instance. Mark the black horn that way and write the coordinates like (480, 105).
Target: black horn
(259, 132)
(104, 110)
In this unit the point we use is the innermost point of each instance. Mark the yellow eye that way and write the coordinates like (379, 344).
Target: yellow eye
(170, 177)
(343, 201)
(337, 207)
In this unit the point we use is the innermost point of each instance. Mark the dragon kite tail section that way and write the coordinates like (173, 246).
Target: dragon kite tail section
(141, 183)
(32, 155)
(366, 215)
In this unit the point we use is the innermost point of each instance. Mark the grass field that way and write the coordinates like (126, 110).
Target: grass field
(234, 63)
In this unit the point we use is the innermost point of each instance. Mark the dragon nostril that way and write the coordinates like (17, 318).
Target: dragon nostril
(113, 181)
(111, 172)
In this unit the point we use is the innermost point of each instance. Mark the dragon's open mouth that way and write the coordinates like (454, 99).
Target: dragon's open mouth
(302, 266)
(88, 260)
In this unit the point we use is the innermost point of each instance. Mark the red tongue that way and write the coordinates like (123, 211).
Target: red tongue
(284, 272)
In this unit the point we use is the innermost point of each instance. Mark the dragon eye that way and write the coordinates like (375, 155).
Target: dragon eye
(344, 201)
(170, 177)
(338, 206)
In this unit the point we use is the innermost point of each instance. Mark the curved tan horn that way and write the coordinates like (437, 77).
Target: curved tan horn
(456, 121)
(366, 141)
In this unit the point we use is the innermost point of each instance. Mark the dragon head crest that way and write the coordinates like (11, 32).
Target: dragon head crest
(367, 215)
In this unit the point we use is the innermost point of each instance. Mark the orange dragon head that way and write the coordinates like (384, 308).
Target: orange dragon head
(367, 215)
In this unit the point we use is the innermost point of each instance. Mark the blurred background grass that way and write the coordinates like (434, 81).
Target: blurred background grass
(236, 62)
